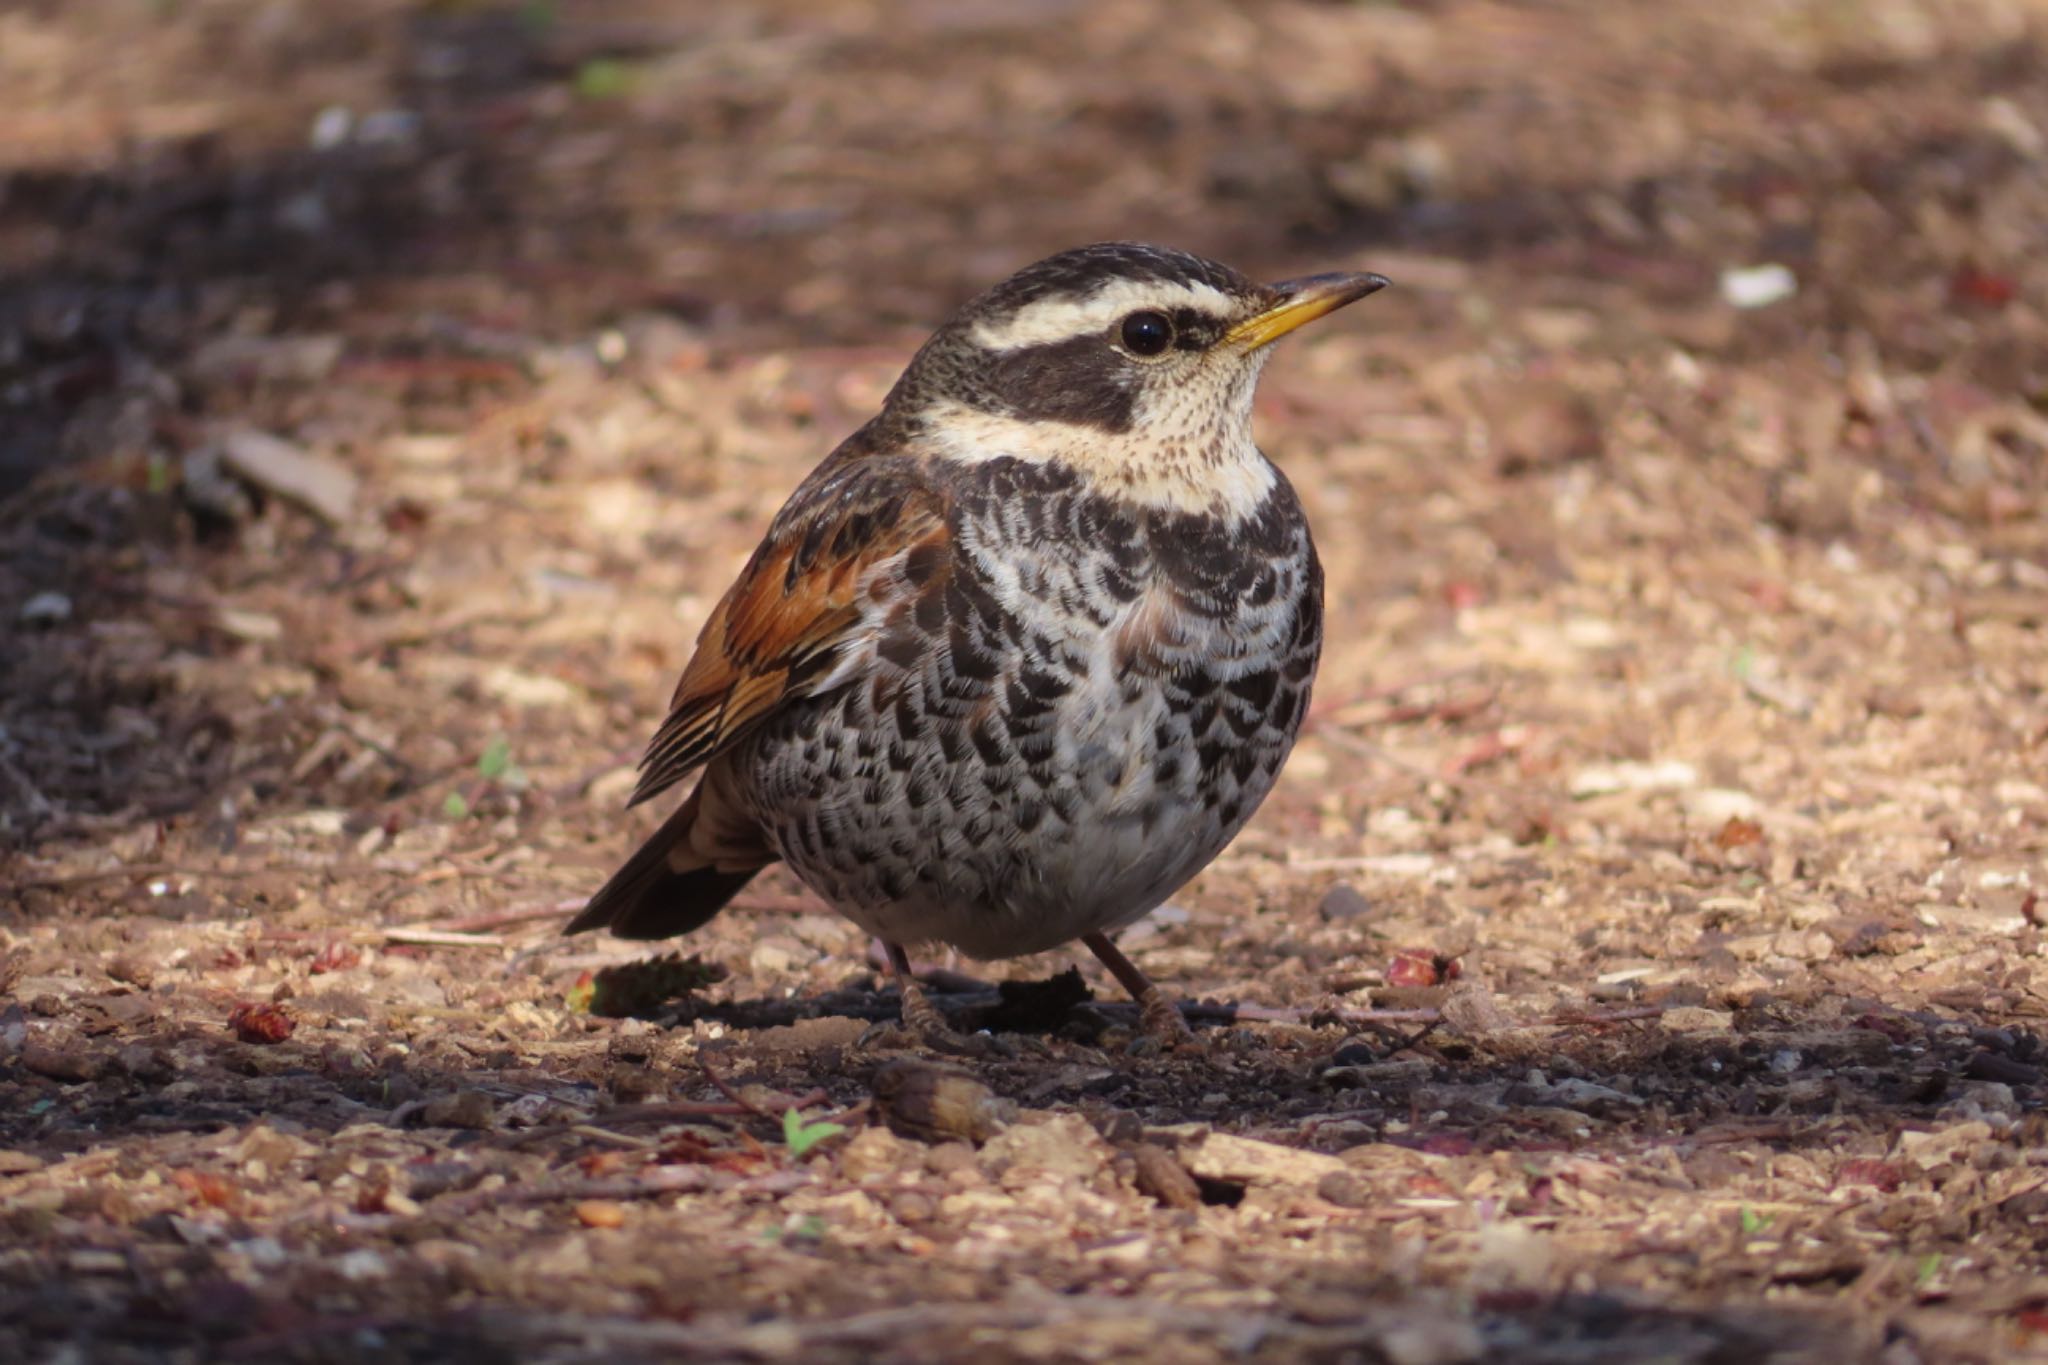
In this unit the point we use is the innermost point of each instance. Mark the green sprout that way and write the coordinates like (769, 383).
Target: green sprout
(604, 78)
(495, 761)
(800, 1137)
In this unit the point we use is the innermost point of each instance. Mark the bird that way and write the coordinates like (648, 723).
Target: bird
(1026, 650)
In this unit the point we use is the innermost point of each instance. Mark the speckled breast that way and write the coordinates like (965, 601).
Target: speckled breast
(1051, 734)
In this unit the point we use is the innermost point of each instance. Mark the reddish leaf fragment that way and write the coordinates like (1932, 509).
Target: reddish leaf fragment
(261, 1023)
(337, 956)
(1739, 833)
(600, 1164)
(205, 1187)
(1884, 1176)
(583, 994)
(1422, 967)
(1460, 594)
(685, 1148)
(1446, 1144)
(1971, 285)
(1895, 1029)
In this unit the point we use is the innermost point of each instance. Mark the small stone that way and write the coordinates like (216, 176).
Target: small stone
(132, 970)
(46, 609)
(1225, 1156)
(1943, 1145)
(875, 1153)
(463, 1109)
(65, 1060)
(949, 1157)
(1065, 1144)
(1346, 1190)
(911, 1208)
(601, 1213)
(1758, 286)
(1470, 1009)
(320, 485)
(151, 1065)
(1343, 902)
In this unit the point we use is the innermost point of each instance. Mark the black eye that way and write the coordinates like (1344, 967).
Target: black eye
(1147, 333)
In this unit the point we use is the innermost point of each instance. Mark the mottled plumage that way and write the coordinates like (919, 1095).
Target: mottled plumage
(1024, 653)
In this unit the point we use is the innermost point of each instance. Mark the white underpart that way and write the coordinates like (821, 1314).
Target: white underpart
(1190, 449)
(1065, 316)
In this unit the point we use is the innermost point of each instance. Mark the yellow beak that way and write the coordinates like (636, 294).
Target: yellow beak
(1302, 300)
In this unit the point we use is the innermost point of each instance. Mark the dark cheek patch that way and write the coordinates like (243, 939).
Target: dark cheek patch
(1082, 380)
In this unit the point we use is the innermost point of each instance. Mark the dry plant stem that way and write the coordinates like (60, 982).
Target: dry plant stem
(1161, 1018)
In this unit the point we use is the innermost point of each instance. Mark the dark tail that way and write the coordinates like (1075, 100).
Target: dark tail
(649, 898)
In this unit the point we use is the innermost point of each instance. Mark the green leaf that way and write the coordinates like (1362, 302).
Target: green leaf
(603, 78)
(456, 806)
(495, 760)
(1753, 1222)
(1929, 1267)
(800, 1137)
(583, 995)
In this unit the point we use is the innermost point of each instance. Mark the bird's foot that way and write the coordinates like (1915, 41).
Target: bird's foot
(922, 1025)
(1164, 1024)
(1161, 1019)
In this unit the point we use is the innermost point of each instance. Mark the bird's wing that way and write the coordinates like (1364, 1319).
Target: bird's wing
(858, 524)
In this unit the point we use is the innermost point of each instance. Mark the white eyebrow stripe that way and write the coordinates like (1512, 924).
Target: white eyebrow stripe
(1066, 316)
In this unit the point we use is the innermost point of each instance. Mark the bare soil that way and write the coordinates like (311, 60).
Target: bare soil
(1639, 960)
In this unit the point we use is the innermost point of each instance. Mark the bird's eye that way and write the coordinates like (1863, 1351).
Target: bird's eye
(1147, 333)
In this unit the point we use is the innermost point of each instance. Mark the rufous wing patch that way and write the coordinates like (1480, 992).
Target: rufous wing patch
(781, 626)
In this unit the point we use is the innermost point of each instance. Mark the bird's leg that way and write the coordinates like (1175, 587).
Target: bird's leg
(920, 1015)
(1160, 1016)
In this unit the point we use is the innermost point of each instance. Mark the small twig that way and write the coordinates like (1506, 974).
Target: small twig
(665, 1113)
(725, 1089)
(1620, 1016)
(38, 804)
(858, 1109)
(591, 1130)
(422, 936)
(497, 919)
(1274, 1014)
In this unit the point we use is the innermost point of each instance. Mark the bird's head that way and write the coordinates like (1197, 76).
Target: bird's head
(1134, 365)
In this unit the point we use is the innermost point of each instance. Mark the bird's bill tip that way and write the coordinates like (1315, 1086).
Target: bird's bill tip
(1303, 301)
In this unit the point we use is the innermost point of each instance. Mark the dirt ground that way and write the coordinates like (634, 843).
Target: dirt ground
(1640, 959)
